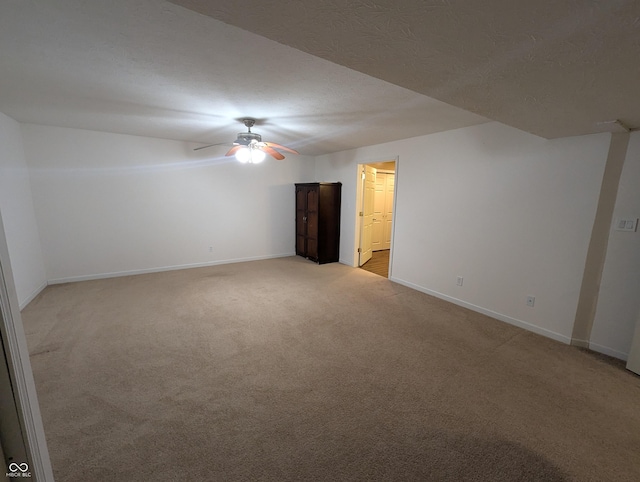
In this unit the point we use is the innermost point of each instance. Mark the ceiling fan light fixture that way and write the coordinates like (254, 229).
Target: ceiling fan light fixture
(249, 148)
(250, 155)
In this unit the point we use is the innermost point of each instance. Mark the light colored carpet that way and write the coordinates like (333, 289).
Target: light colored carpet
(286, 370)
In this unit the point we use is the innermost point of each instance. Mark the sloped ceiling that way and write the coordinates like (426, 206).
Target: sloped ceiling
(319, 76)
(554, 68)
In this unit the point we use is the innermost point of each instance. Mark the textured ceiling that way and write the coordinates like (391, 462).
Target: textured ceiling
(151, 68)
(551, 67)
(319, 76)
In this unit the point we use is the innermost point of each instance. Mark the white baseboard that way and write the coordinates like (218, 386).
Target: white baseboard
(498, 316)
(30, 298)
(608, 351)
(580, 343)
(117, 274)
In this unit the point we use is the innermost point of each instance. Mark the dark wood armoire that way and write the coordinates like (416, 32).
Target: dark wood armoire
(318, 221)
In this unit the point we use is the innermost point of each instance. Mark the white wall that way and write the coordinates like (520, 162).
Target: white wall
(18, 215)
(619, 300)
(113, 204)
(510, 212)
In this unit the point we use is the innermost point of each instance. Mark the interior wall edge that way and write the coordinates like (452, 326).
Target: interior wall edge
(600, 233)
(18, 211)
(31, 297)
(493, 314)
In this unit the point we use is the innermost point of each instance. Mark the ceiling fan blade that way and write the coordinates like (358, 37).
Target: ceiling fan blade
(205, 147)
(272, 152)
(279, 146)
(233, 150)
(211, 145)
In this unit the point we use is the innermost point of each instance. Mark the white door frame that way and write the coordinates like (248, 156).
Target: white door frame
(358, 219)
(20, 383)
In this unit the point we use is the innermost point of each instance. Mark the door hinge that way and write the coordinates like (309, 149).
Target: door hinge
(360, 213)
(359, 250)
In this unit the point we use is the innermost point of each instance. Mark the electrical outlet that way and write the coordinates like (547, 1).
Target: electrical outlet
(531, 300)
(627, 224)
(459, 281)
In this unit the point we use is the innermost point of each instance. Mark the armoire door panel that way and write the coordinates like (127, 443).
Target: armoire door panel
(301, 199)
(312, 224)
(301, 221)
(312, 200)
(301, 224)
(301, 245)
(312, 248)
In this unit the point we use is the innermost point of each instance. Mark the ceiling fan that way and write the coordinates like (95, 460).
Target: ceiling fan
(250, 148)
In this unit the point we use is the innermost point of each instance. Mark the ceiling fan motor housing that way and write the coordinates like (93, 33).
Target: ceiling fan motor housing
(245, 138)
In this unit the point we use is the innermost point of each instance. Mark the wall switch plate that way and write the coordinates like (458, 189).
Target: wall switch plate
(531, 300)
(459, 280)
(627, 224)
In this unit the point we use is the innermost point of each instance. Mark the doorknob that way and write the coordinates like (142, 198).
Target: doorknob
(304, 219)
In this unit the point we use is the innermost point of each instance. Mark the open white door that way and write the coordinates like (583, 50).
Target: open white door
(378, 212)
(390, 186)
(383, 210)
(368, 193)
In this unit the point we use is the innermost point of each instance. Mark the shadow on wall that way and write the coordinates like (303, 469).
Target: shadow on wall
(282, 232)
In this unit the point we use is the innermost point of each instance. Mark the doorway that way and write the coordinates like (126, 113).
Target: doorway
(376, 183)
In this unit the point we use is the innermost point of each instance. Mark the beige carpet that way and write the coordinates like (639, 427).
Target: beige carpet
(286, 370)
